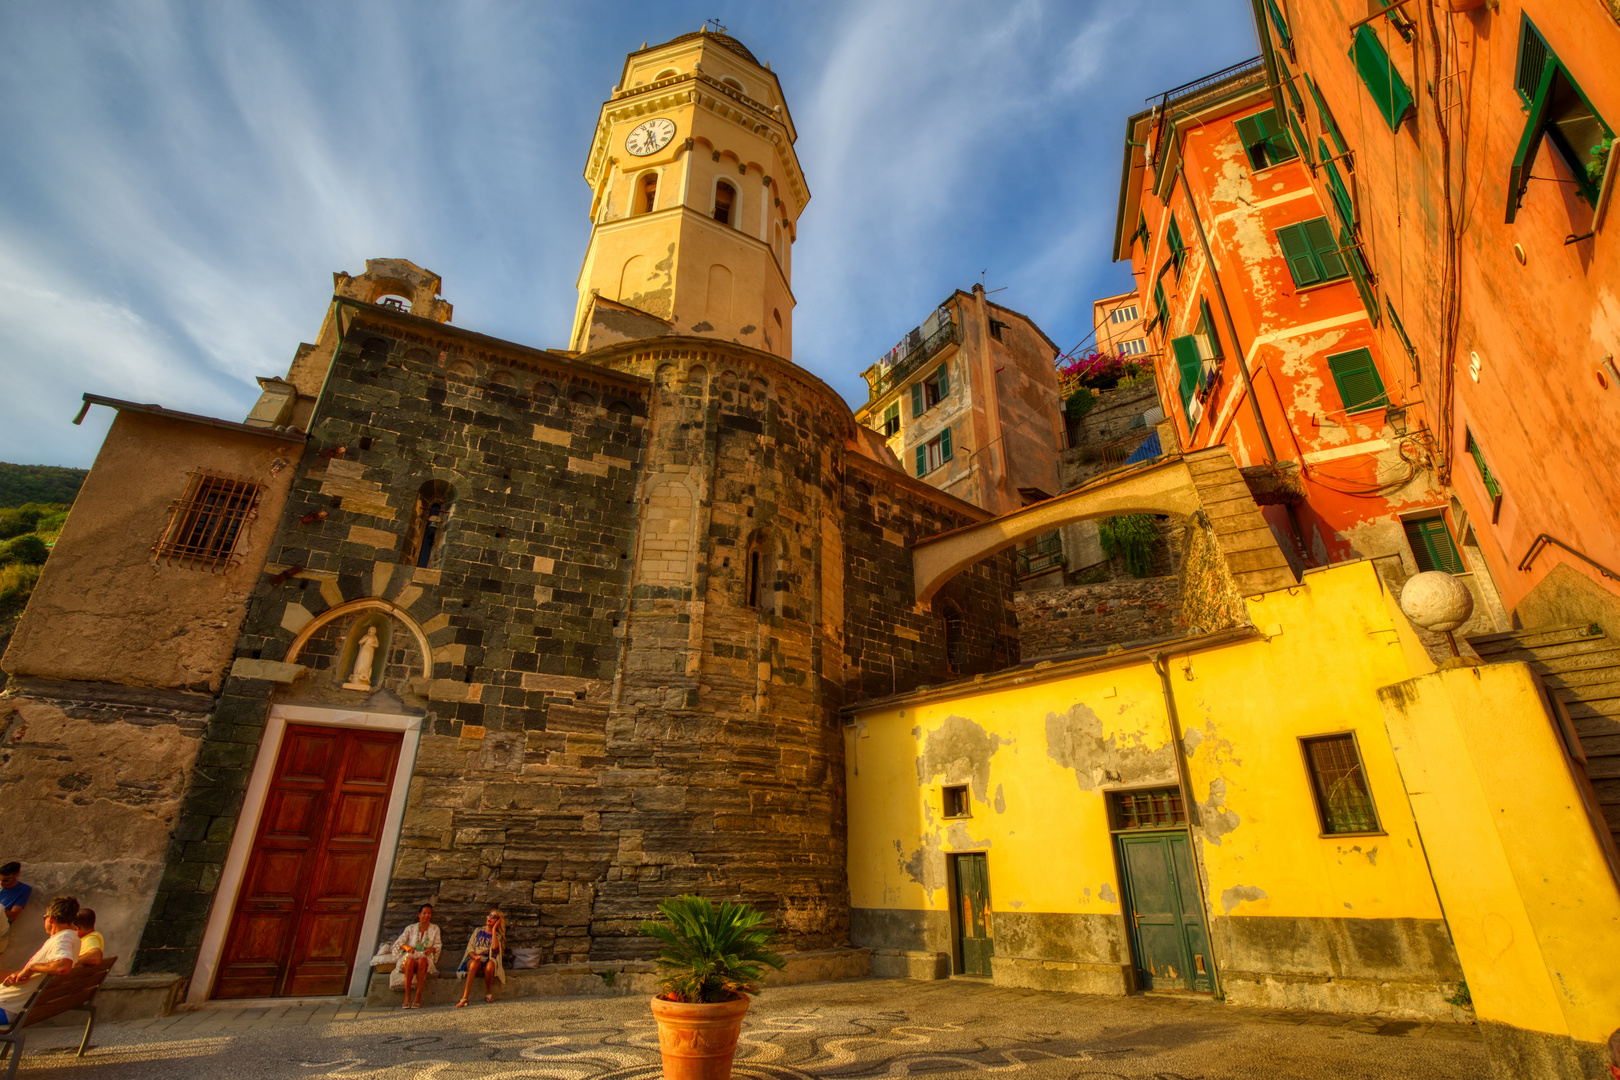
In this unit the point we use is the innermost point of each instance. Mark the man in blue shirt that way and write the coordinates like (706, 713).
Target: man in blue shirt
(13, 895)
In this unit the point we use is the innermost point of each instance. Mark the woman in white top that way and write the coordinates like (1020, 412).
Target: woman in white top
(418, 950)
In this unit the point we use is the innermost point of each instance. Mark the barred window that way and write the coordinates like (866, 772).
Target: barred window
(1156, 808)
(207, 522)
(1343, 799)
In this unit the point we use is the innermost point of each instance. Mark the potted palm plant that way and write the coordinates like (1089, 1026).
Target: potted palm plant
(712, 958)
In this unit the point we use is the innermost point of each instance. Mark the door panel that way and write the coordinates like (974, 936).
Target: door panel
(297, 919)
(973, 913)
(1167, 928)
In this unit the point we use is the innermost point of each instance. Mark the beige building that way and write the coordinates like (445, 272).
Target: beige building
(968, 402)
(1119, 326)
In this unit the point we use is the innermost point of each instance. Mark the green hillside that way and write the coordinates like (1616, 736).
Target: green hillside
(20, 484)
(27, 534)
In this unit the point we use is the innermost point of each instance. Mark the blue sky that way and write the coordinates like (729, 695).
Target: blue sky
(179, 180)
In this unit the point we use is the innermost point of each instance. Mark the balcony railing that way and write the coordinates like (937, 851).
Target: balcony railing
(880, 379)
(1044, 554)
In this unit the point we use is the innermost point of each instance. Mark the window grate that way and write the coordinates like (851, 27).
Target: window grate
(207, 522)
(1157, 808)
(1342, 798)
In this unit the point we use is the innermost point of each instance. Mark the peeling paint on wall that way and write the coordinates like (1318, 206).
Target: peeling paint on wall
(1237, 894)
(1074, 739)
(1218, 821)
(959, 750)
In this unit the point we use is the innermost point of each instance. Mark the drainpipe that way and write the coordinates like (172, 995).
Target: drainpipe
(1242, 358)
(1161, 667)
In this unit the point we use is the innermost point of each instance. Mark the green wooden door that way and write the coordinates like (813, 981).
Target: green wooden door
(973, 913)
(1167, 925)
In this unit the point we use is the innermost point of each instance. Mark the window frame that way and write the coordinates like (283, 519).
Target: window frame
(732, 207)
(1314, 252)
(1539, 126)
(1169, 792)
(202, 535)
(934, 454)
(1380, 76)
(1178, 246)
(1133, 347)
(1379, 400)
(1191, 367)
(1426, 527)
(1318, 794)
(1400, 330)
(891, 420)
(1487, 478)
(1262, 131)
(945, 793)
(1210, 343)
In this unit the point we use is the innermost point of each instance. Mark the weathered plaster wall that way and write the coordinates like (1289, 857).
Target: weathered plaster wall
(105, 609)
(1340, 923)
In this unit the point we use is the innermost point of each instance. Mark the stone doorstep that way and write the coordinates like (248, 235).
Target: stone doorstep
(128, 997)
(610, 979)
(910, 964)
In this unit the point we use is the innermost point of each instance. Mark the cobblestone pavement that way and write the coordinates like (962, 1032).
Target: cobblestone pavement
(827, 1031)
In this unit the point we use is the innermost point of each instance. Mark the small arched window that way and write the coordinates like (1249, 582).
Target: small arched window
(956, 654)
(374, 351)
(761, 571)
(425, 542)
(585, 398)
(647, 194)
(725, 201)
(734, 84)
(667, 73)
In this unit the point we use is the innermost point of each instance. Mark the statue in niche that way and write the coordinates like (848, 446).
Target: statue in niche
(360, 678)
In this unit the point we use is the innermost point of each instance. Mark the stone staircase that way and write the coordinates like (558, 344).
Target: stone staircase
(1581, 665)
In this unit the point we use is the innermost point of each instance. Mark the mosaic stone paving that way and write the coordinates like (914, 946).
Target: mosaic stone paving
(831, 1031)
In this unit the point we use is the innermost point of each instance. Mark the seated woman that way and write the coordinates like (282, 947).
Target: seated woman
(418, 950)
(483, 954)
(91, 944)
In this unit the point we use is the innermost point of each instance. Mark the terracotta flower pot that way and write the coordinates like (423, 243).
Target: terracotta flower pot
(698, 1041)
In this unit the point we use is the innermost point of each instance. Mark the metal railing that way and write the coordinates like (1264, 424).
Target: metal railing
(1137, 445)
(1044, 554)
(920, 353)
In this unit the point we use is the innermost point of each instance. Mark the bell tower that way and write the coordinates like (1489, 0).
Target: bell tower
(696, 196)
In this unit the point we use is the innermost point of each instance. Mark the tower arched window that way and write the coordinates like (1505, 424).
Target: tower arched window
(725, 202)
(647, 193)
(761, 574)
(425, 542)
(956, 654)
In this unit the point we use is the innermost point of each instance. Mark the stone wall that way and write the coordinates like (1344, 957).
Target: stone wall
(1110, 418)
(1122, 612)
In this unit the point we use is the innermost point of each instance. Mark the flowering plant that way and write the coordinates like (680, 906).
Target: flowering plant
(1097, 370)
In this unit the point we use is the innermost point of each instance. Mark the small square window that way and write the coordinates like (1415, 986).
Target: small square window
(891, 420)
(956, 801)
(1343, 800)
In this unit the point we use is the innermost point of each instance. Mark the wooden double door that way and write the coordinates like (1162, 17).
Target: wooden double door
(298, 915)
(1168, 937)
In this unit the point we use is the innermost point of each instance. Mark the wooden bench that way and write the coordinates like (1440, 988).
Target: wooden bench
(57, 994)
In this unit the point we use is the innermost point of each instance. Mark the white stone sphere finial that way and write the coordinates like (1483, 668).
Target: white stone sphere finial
(1436, 601)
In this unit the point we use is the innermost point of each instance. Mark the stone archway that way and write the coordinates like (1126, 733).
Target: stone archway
(1206, 483)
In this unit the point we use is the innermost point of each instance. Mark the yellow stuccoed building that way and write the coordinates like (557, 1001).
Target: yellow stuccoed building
(697, 195)
(1331, 800)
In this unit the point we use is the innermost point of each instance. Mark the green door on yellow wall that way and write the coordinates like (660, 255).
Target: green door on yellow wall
(1167, 924)
(973, 913)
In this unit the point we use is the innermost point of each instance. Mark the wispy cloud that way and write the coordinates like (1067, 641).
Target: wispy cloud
(180, 179)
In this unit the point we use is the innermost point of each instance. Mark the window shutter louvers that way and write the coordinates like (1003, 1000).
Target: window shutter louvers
(1532, 58)
(1296, 251)
(1432, 545)
(1325, 114)
(922, 460)
(1191, 368)
(1320, 238)
(1378, 73)
(944, 379)
(916, 400)
(945, 445)
(1529, 142)
(1357, 378)
(1335, 183)
(1253, 141)
(1283, 36)
(1360, 274)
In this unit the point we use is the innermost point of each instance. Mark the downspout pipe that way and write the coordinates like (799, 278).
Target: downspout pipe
(1237, 346)
(1194, 818)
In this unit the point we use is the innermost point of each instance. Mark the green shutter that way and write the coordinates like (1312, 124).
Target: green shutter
(1357, 379)
(1325, 114)
(1529, 142)
(1335, 183)
(945, 445)
(1210, 331)
(1296, 250)
(1432, 546)
(1293, 90)
(1532, 58)
(1253, 140)
(916, 400)
(1492, 488)
(1378, 72)
(922, 460)
(1300, 140)
(1265, 139)
(1142, 231)
(1178, 249)
(1192, 369)
(1360, 274)
(1324, 248)
(944, 380)
(1161, 312)
(1400, 328)
(1277, 20)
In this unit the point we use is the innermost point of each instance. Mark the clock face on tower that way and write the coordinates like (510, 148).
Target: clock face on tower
(650, 137)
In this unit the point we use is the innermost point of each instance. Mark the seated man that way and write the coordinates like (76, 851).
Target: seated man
(55, 957)
(13, 895)
(91, 943)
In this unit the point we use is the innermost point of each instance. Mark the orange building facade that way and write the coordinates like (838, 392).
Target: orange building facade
(1468, 153)
(1438, 413)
